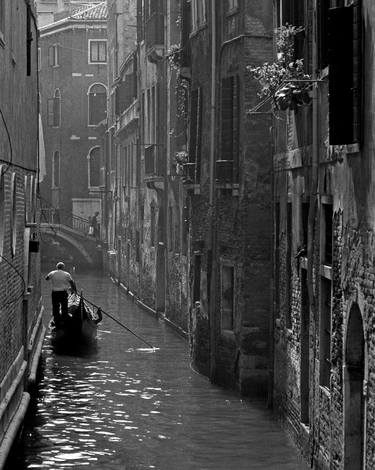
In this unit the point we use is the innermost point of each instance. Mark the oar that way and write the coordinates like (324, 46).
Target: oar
(119, 323)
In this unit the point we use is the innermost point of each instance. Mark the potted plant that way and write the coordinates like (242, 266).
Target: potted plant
(284, 81)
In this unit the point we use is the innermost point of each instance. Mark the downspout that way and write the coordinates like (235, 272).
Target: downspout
(212, 192)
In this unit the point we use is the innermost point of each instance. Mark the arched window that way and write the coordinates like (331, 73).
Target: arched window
(97, 96)
(54, 109)
(56, 170)
(94, 167)
(2, 210)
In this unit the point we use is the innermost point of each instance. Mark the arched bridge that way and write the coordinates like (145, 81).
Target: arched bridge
(72, 233)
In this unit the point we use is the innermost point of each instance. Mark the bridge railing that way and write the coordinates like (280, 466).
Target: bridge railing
(59, 217)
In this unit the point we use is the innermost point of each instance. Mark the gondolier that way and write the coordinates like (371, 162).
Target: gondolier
(62, 282)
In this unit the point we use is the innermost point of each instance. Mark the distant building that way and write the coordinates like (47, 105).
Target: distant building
(21, 328)
(73, 76)
(190, 223)
(49, 11)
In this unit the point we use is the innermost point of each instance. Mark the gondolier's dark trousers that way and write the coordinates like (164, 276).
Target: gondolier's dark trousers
(59, 298)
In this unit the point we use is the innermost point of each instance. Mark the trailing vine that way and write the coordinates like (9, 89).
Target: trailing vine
(284, 81)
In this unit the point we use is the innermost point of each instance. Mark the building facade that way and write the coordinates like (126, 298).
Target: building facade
(73, 72)
(190, 172)
(21, 308)
(323, 229)
(49, 11)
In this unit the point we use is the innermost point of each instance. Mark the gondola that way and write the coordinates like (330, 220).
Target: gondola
(80, 326)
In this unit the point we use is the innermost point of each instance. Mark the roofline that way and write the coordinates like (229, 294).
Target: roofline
(72, 20)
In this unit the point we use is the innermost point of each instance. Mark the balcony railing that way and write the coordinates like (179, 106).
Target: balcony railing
(154, 31)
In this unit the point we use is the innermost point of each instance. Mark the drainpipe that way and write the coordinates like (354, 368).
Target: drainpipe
(212, 193)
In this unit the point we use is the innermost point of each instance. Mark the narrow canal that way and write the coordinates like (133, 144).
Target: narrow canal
(123, 406)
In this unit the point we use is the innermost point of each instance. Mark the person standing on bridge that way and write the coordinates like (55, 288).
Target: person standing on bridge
(62, 282)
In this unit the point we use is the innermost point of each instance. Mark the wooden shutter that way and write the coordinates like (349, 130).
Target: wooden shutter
(236, 125)
(323, 11)
(357, 71)
(341, 96)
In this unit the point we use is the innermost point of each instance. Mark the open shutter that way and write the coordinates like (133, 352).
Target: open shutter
(341, 98)
(193, 125)
(50, 111)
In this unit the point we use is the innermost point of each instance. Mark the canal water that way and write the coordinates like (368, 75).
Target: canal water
(123, 406)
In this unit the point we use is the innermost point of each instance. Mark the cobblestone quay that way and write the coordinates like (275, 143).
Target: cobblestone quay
(123, 406)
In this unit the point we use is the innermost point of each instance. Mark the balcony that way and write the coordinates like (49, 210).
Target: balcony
(154, 36)
(154, 168)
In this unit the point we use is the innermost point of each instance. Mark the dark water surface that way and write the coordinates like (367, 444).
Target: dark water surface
(123, 406)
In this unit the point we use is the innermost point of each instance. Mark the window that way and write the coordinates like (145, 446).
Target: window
(326, 230)
(195, 131)
(227, 167)
(56, 170)
(94, 167)
(345, 52)
(325, 332)
(232, 5)
(97, 97)
(198, 13)
(292, 12)
(54, 110)
(197, 278)
(227, 297)
(97, 51)
(54, 55)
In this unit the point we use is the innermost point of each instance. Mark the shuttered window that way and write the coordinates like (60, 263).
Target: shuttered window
(230, 123)
(195, 130)
(54, 110)
(54, 55)
(344, 35)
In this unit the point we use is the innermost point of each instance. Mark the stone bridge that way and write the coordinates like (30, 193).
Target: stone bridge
(71, 243)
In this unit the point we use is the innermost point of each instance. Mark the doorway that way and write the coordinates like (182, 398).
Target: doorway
(353, 394)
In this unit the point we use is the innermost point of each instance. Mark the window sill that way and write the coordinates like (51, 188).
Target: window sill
(98, 63)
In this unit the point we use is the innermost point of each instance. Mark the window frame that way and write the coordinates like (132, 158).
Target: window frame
(89, 157)
(54, 109)
(225, 264)
(54, 58)
(89, 93)
(54, 185)
(198, 14)
(89, 51)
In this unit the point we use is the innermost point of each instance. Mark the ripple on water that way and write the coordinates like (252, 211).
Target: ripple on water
(123, 406)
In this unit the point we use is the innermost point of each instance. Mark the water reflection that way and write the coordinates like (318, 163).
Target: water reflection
(122, 406)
